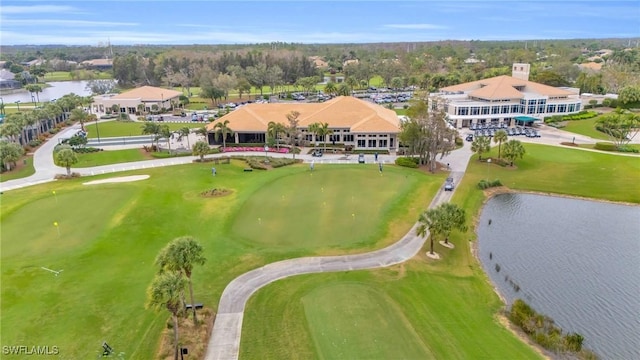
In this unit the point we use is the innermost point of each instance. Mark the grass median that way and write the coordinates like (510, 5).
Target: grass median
(133, 128)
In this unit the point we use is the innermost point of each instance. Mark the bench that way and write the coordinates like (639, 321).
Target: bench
(198, 306)
(248, 169)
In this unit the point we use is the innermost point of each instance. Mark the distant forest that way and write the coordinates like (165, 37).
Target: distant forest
(429, 65)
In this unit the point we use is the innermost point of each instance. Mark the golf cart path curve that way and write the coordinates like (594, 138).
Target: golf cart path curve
(224, 343)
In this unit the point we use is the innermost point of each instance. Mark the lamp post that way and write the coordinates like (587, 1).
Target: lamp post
(266, 148)
(97, 130)
(488, 163)
(1, 105)
(18, 104)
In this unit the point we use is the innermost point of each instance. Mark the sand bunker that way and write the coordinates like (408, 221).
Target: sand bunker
(118, 180)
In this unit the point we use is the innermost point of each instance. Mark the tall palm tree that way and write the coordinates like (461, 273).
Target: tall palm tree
(222, 129)
(330, 88)
(202, 131)
(429, 224)
(79, 115)
(152, 128)
(180, 255)
(513, 149)
(184, 132)
(274, 129)
(500, 137)
(481, 144)
(324, 131)
(165, 292)
(453, 217)
(313, 129)
(66, 158)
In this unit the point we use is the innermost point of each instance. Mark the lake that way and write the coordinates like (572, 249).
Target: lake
(56, 90)
(576, 261)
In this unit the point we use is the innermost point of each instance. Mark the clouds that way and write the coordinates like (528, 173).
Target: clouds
(224, 22)
(416, 26)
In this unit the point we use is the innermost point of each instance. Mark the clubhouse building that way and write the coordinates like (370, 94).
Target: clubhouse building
(128, 101)
(361, 124)
(513, 100)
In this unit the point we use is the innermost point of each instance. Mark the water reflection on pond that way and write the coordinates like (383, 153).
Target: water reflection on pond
(574, 260)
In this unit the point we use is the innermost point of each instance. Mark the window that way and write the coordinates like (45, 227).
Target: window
(577, 107)
(485, 110)
(505, 109)
(495, 110)
(531, 102)
(531, 109)
(572, 107)
(515, 109)
(372, 143)
(542, 101)
(551, 108)
(348, 138)
(361, 136)
(382, 143)
(541, 108)
(475, 110)
(562, 108)
(361, 143)
(463, 110)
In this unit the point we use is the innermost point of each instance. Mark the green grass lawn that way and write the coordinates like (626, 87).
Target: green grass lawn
(21, 172)
(586, 127)
(110, 234)
(119, 128)
(81, 75)
(448, 303)
(109, 157)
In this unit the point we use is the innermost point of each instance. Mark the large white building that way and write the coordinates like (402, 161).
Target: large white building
(513, 100)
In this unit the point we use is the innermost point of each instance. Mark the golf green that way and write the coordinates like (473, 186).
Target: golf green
(330, 207)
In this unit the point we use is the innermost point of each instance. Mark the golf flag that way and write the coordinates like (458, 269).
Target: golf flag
(54, 192)
(55, 223)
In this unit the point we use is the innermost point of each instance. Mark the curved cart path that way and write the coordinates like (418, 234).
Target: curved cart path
(224, 343)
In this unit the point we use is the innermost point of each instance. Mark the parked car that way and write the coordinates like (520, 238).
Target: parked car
(361, 158)
(469, 137)
(316, 153)
(448, 185)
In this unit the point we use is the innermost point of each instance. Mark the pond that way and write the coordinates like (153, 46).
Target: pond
(55, 90)
(576, 261)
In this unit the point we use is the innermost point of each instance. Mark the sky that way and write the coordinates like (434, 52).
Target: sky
(95, 23)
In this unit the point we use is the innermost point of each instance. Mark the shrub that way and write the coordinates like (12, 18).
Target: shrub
(54, 131)
(459, 141)
(409, 162)
(605, 146)
(35, 143)
(485, 184)
(86, 150)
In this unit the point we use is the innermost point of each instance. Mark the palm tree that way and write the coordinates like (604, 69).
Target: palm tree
(222, 129)
(513, 149)
(166, 133)
(151, 128)
(352, 82)
(330, 88)
(180, 255)
(499, 137)
(314, 129)
(481, 144)
(293, 131)
(202, 131)
(324, 131)
(165, 292)
(66, 157)
(344, 90)
(429, 224)
(453, 217)
(10, 153)
(274, 129)
(200, 148)
(79, 115)
(184, 133)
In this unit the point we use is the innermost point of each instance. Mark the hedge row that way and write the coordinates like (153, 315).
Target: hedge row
(485, 184)
(409, 162)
